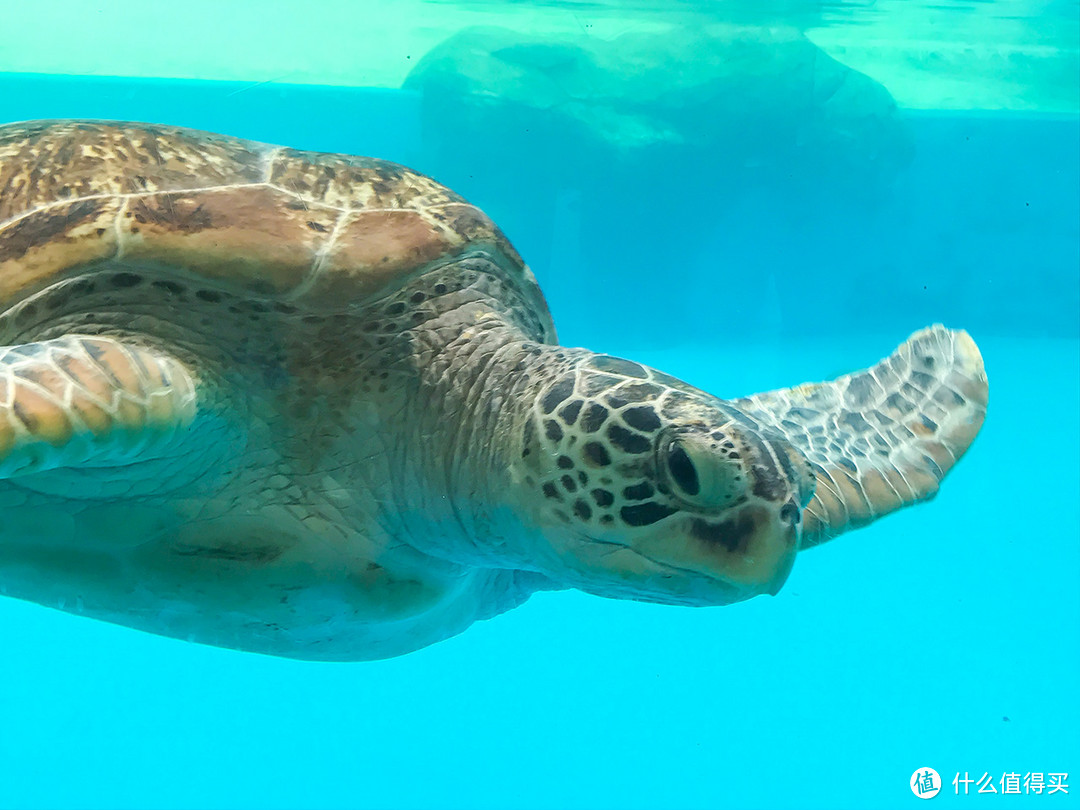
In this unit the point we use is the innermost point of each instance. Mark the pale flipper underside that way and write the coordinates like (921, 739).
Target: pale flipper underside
(89, 402)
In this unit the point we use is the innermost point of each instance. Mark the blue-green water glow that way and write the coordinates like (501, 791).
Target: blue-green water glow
(945, 635)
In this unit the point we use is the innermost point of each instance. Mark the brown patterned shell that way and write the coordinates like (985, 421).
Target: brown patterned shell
(319, 228)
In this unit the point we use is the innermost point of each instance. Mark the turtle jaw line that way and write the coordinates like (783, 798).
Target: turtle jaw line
(730, 592)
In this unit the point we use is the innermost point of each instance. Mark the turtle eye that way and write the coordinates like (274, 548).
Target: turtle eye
(682, 469)
(701, 476)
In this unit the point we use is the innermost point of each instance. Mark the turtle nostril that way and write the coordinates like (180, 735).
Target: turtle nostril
(790, 513)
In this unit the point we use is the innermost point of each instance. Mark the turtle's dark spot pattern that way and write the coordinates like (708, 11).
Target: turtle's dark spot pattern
(628, 441)
(559, 392)
(123, 280)
(593, 417)
(639, 492)
(565, 462)
(569, 412)
(596, 454)
(616, 401)
(595, 383)
(642, 418)
(553, 430)
(645, 514)
(582, 509)
(170, 287)
(568, 483)
(551, 492)
(603, 497)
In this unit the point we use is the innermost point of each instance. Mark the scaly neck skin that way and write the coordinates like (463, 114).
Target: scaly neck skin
(476, 391)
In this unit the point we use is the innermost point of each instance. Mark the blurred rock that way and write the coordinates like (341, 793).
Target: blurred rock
(675, 164)
(756, 104)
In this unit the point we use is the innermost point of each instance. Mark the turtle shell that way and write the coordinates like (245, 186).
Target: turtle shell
(321, 230)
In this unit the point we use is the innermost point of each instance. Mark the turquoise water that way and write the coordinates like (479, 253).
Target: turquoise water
(740, 252)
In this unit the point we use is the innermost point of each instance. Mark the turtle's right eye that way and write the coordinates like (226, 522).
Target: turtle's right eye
(682, 469)
(700, 475)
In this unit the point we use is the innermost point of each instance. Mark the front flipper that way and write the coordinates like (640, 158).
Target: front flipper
(882, 438)
(89, 402)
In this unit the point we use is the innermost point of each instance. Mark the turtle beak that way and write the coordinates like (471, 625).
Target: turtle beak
(746, 552)
(756, 548)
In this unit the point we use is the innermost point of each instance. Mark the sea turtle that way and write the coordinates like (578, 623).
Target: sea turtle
(312, 405)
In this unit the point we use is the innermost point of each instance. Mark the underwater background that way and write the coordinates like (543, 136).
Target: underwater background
(745, 195)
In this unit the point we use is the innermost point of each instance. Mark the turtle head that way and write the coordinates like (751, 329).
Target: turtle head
(647, 488)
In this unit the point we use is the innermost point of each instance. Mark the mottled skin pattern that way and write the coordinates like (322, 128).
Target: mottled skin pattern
(881, 438)
(311, 405)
